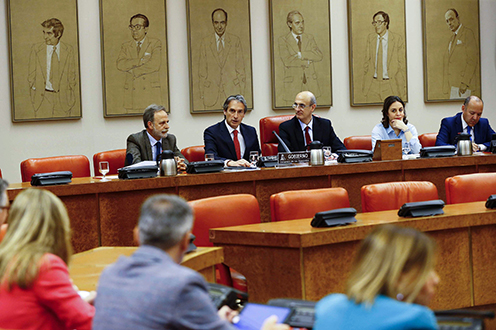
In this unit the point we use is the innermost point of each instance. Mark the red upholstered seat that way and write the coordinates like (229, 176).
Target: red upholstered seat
(224, 211)
(300, 204)
(115, 158)
(392, 195)
(194, 153)
(268, 140)
(428, 139)
(0, 173)
(79, 166)
(363, 142)
(470, 187)
(3, 231)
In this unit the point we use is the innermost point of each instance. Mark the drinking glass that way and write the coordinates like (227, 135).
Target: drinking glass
(104, 169)
(327, 153)
(406, 148)
(254, 158)
(209, 157)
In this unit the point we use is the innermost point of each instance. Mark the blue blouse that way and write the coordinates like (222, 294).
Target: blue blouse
(337, 312)
(381, 133)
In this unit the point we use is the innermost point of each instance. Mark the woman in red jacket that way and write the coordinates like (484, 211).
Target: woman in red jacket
(35, 289)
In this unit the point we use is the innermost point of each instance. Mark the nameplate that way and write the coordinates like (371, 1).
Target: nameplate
(388, 149)
(293, 157)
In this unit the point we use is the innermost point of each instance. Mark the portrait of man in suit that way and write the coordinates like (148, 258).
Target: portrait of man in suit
(460, 59)
(384, 65)
(140, 59)
(52, 75)
(221, 67)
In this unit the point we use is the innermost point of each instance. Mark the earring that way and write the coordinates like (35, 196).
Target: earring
(399, 297)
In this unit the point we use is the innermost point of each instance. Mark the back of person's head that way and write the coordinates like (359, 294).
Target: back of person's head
(38, 224)
(164, 220)
(392, 261)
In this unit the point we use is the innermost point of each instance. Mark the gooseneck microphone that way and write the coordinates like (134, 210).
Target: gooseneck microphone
(286, 149)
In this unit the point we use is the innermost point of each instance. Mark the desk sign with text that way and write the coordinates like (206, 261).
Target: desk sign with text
(293, 157)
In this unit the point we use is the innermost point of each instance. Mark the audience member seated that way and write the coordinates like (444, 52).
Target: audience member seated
(150, 290)
(392, 281)
(304, 127)
(468, 121)
(4, 207)
(394, 125)
(230, 140)
(150, 142)
(36, 291)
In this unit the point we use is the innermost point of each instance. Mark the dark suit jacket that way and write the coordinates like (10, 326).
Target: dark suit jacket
(138, 145)
(291, 133)
(451, 126)
(218, 141)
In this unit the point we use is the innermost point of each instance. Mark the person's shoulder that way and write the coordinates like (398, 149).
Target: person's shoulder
(332, 301)
(247, 127)
(379, 127)
(288, 122)
(322, 120)
(137, 135)
(406, 313)
(38, 46)
(215, 126)
(50, 261)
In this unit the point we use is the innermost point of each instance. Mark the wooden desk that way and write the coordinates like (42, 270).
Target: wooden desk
(105, 213)
(86, 267)
(292, 259)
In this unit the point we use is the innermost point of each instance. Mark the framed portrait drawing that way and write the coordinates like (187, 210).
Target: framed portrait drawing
(219, 51)
(377, 39)
(134, 56)
(44, 60)
(300, 42)
(451, 38)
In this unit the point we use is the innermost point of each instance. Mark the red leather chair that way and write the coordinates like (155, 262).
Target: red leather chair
(268, 140)
(79, 166)
(194, 153)
(115, 158)
(0, 174)
(300, 204)
(470, 187)
(224, 211)
(363, 142)
(428, 139)
(392, 195)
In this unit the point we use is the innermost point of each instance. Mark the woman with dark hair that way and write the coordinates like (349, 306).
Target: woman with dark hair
(392, 281)
(394, 125)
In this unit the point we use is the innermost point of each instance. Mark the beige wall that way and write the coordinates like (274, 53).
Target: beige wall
(93, 133)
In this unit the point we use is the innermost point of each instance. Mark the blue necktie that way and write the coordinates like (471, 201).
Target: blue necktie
(158, 150)
(469, 131)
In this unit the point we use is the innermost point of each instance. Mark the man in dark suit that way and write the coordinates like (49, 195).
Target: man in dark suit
(150, 142)
(468, 121)
(230, 140)
(304, 127)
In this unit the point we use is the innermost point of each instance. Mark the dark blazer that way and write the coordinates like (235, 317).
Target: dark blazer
(451, 126)
(291, 133)
(218, 141)
(138, 145)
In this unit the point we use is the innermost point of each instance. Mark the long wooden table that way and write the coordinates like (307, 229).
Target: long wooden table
(292, 259)
(105, 213)
(85, 267)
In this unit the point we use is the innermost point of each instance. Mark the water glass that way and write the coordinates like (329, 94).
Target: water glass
(104, 169)
(254, 158)
(209, 157)
(327, 153)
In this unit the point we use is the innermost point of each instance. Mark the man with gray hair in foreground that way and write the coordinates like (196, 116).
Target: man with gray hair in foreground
(150, 289)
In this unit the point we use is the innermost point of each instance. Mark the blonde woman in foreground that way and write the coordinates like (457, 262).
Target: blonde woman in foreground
(392, 281)
(35, 290)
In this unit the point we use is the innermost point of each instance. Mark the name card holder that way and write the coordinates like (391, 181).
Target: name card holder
(388, 150)
(293, 157)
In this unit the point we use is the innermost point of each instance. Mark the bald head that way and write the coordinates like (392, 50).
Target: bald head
(472, 110)
(304, 106)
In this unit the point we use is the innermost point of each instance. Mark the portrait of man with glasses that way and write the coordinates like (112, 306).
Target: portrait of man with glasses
(384, 65)
(140, 60)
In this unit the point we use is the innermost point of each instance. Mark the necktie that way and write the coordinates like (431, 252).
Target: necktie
(469, 131)
(307, 137)
(299, 49)
(158, 150)
(236, 145)
(138, 48)
(380, 74)
(220, 45)
(451, 42)
(54, 70)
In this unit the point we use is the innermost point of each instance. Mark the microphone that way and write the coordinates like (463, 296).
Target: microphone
(129, 159)
(286, 149)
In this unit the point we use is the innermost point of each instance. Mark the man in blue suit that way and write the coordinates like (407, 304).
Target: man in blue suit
(230, 140)
(468, 121)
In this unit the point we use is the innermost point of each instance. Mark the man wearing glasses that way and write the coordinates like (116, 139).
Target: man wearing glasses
(140, 60)
(304, 127)
(4, 205)
(384, 65)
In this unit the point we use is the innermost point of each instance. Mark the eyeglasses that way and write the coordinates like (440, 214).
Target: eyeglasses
(136, 27)
(299, 106)
(374, 23)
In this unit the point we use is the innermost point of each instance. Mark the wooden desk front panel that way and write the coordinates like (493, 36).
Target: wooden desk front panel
(84, 215)
(484, 264)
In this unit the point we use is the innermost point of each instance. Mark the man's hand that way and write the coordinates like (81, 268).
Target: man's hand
(270, 324)
(181, 166)
(241, 162)
(475, 147)
(226, 313)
